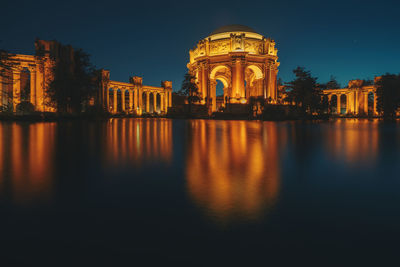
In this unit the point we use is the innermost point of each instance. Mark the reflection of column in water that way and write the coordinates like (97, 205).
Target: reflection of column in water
(31, 153)
(353, 140)
(230, 172)
(134, 141)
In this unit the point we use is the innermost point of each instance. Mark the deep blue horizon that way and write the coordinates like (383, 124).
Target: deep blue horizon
(346, 39)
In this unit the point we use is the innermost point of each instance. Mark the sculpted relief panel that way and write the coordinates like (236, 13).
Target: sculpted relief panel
(253, 47)
(219, 47)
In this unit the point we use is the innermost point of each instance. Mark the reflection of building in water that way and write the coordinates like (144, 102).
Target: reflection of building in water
(233, 167)
(353, 140)
(139, 140)
(26, 160)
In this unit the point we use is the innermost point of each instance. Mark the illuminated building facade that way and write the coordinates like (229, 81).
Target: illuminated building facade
(28, 77)
(243, 60)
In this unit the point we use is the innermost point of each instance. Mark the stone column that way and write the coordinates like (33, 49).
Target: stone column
(204, 82)
(338, 108)
(213, 88)
(356, 102)
(366, 103)
(39, 87)
(130, 100)
(16, 82)
(135, 99)
(33, 88)
(351, 102)
(147, 102)
(238, 78)
(108, 100)
(115, 108)
(162, 103)
(375, 105)
(140, 100)
(123, 100)
(166, 100)
(154, 102)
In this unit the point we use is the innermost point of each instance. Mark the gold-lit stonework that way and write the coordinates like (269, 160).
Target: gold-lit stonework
(356, 99)
(134, 97)
(28, 71)
(244, 61)
(32, 74)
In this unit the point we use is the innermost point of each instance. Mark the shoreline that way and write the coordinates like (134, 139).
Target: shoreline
(49, 117)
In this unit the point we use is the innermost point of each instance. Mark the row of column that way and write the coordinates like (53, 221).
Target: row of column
(136, 101)
(356, 102)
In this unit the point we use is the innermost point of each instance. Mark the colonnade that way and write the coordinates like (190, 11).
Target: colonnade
(356, 100)
(138, 101)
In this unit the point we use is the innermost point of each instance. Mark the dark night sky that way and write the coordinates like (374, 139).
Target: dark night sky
(347, 39)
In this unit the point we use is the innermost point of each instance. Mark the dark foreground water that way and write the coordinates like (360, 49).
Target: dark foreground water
(156, 192)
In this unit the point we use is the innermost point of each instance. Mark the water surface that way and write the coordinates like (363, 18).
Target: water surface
(152, 192)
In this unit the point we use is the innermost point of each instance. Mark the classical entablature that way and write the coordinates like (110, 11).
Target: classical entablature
(244, 61)
(357, 98)
(134, 97)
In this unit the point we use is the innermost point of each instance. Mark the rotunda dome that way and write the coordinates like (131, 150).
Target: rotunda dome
(233, 28)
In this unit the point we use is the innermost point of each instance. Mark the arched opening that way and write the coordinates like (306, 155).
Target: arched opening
(253, 76)
(151, 104)
(219, 88)
(158, 109)
(144, 102)
(25, 83)
(110, 99)
(119, 102)
(343, 104)
(333, 104)
(127, 101)
(221, 78)
(371, 96)
(220, 94)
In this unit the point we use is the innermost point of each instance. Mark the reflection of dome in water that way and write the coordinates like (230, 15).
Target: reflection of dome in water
(233, 28)
(232, 171)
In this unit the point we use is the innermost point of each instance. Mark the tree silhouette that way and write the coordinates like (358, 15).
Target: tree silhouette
(189, 88)
(388, 95)
(304, 91)
(74, 82)
(333, 83)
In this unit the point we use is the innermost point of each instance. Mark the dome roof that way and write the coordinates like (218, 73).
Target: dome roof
(233, 28)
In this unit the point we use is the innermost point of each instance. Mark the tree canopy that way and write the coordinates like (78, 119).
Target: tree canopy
(74, 82)
(304, 92)
(189, 89)
(388, 95)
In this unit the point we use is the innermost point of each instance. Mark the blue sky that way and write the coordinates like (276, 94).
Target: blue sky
(347, 39)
